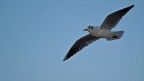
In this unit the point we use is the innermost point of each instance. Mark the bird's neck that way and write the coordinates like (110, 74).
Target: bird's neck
(94, 32)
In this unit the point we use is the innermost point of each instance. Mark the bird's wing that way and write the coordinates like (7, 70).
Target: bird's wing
(80, 44)
(112, 19)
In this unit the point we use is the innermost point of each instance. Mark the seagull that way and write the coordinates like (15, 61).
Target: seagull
(97, 32)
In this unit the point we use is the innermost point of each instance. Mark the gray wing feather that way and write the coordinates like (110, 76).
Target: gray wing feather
(112, 19)
(80, 44)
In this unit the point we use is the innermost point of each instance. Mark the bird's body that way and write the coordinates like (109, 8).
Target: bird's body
(104, 31)
(101, 33)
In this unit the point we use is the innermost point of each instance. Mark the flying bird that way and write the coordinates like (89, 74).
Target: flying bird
(97, 32)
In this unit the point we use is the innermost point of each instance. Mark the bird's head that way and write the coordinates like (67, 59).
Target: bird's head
(91, 29)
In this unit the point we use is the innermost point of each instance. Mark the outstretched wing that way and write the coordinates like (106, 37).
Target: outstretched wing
(80, 44)
(112, 19)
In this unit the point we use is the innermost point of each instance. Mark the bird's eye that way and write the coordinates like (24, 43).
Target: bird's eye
(92, 28)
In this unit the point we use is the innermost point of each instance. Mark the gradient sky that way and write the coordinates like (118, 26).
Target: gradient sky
(35, 35)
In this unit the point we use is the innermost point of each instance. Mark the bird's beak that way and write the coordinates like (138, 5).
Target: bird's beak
(85, 30)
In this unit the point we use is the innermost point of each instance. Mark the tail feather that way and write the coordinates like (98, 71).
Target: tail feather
(117, 35)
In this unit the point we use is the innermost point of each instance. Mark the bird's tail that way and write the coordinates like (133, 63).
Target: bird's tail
(116, 35)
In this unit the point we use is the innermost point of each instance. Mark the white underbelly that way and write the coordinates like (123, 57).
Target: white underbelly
(104, 33)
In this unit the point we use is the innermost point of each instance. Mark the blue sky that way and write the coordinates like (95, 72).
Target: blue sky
(35, 35)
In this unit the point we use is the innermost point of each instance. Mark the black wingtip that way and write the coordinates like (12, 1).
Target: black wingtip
(64, 59)
(129, 7)
(132, 6)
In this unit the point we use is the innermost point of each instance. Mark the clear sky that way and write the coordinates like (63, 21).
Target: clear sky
(35, 35)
